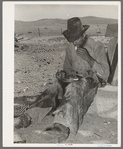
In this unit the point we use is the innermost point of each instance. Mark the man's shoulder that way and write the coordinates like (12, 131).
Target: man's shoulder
(97, 46)
(70, 46)
(91, 39)
(94, 42)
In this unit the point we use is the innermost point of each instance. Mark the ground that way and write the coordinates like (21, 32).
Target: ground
(36, 62)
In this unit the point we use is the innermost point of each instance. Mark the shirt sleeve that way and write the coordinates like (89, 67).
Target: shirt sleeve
(67, 66)
(101, 65)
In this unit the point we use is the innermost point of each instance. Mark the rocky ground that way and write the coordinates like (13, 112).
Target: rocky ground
(36, 62)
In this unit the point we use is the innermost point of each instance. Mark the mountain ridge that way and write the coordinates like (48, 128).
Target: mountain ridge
(87, 19)
(51, 27)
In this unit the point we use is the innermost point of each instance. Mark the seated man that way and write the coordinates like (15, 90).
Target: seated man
(85, 69)
(87, 60)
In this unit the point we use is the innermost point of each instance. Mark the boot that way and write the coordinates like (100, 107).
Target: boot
(58, 131)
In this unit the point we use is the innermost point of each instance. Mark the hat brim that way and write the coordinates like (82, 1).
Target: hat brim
(72, 37)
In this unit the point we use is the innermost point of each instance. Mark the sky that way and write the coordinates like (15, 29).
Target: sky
(32, 12)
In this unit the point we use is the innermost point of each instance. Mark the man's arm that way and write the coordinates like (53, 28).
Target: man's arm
(101, 66)
(67, 66)
(98, 62)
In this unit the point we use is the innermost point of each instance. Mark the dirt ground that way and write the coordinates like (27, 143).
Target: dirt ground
(35, 64)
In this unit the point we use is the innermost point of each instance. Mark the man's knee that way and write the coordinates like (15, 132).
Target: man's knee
(72, 90)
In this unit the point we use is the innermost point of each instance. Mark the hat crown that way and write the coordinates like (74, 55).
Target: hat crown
(74, 25)
(75, 29)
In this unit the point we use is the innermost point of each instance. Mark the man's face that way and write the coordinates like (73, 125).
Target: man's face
(78, 42)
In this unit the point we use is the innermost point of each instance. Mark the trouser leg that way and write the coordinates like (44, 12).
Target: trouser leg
(78, 98)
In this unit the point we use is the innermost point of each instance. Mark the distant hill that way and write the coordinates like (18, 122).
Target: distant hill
(98, 20)
(49, 27)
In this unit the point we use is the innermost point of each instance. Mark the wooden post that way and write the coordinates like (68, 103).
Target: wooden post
(113, 65)
(61, 31)
(39, 31)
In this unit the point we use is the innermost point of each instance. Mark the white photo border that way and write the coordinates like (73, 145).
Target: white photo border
(8, 71)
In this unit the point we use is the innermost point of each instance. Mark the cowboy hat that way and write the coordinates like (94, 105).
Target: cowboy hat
(74, 29)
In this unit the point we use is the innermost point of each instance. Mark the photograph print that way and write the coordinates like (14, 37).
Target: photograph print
(66, 79)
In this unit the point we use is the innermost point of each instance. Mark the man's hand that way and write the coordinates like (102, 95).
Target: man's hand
(60, 75)
(84, 54)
